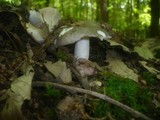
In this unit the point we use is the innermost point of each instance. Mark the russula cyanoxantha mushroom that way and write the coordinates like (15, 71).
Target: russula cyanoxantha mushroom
(80, 36)
(42, 22)
(51, 17)
(37, 34)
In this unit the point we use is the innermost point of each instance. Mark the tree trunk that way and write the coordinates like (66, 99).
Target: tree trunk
(102, 8)
(137, 18)
(62, 7)
(47, 3)
(86, 9)
(155, 13)
(97, 10)
(107, 12)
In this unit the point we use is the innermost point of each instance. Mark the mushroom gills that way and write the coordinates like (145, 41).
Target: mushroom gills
(82, 49)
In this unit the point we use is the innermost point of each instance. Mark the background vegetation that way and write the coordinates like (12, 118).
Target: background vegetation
(132, 18)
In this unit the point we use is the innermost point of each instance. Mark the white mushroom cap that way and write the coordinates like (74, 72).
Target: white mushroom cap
(37, 34)
(42, 23)
(51, 16)
(80, 35)
(36, 18)
(71, 35)
(47, 15)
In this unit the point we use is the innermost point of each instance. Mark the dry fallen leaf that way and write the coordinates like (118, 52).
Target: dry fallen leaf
(149, 68)
(156, 103)
(144, 52)
(156, 100)
(12, 107)
(117, 66)
(60, 71)
(114, 44)
(148, 49)
(22, 85)
(20, 90)
(65, 104)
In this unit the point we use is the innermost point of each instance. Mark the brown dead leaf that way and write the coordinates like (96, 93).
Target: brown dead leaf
(20, 90)
(117, 66)
(65, 104)
(150, 69)
(114, 44)
(144, 52)
(59, 70)
(156, 100)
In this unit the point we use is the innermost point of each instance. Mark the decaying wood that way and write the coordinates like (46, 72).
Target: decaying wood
(95, 94)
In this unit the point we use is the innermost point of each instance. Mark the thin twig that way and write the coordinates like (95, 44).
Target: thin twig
(95, 94)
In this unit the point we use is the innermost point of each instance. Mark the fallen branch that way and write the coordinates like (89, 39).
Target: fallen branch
(95, 94)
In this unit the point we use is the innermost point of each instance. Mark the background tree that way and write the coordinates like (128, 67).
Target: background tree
(155, 14)
(102, 8)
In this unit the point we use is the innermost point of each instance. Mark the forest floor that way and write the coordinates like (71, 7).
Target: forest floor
(38, 85)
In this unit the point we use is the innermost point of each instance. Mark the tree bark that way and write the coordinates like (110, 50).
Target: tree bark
(47, 3)
(62, 7)
(137, 18)
(155, 14)
(102, 8)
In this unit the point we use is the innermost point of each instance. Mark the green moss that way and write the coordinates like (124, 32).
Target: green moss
(124, 90)
(52, 92)
(61, 54)
(50, 113)
(100, 108)
(149, 77)
(157, 53)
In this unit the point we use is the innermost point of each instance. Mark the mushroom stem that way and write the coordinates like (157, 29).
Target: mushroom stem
(82, 49)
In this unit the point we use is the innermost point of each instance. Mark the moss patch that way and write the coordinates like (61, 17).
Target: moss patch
(149, 77)
(124, 90)
(52, 92)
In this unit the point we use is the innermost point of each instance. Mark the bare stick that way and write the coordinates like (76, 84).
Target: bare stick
(95, 94)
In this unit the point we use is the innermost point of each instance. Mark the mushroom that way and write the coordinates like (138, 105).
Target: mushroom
(80, 36)
(36, 18)
(38, 35)
(51, 17)
(42, 23)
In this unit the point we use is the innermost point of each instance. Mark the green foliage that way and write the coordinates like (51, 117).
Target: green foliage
(124, 90)
(149, 77)
(38, 3)
(50, 113)
(52, 92)
(3, 2)
(100, 108)
(62, 54)
(157, 53)
(14, 2)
